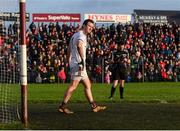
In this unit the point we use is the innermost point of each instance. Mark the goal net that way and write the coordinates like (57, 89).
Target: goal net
(9, 61)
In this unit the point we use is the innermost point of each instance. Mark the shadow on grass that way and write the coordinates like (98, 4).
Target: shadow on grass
(117, 116)
(139, 116)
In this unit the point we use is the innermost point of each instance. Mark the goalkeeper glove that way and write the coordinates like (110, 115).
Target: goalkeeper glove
(81, 65)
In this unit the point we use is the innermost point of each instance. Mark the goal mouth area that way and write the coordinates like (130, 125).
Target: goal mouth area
(9, 102)
(9, 83)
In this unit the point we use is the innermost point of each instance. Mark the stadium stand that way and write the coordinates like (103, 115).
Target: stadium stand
(158, 45)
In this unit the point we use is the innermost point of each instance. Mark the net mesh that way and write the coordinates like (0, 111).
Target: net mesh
(9, 62)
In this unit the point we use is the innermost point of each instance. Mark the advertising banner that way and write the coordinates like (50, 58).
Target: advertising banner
(153, 19)
(157, 16)
(56, 17)
(11, 16)
(108, 18)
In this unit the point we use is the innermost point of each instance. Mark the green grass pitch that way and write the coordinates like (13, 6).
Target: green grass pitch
(145, 106)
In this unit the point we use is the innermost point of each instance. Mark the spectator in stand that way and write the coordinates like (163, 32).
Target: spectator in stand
(107, 76)
(62, 75)
(164, 74)
(38, 78)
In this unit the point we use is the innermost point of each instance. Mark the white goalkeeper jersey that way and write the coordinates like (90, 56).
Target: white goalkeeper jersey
(75, 57)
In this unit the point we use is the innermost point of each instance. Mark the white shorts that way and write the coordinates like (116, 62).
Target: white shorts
(78, 75)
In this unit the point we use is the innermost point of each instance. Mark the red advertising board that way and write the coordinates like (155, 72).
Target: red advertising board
(56, 17)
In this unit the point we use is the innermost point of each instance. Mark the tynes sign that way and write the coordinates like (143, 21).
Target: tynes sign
(108, 18)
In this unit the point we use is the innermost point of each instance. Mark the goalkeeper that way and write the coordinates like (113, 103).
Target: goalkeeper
(77, 56)
(121, 62)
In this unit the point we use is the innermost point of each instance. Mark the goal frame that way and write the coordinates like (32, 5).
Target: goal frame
(23, 63)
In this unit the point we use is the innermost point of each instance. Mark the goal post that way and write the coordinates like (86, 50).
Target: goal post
(23, 63)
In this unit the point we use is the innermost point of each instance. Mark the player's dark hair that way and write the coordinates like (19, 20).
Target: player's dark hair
(86, 22)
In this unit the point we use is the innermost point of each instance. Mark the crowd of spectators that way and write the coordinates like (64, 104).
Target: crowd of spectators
(154, 50)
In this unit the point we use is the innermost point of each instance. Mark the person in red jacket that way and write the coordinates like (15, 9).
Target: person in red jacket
(62, 75)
